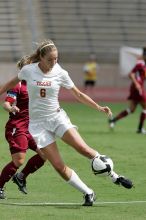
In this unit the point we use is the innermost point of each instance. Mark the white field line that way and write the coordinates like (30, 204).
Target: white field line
(68, 204)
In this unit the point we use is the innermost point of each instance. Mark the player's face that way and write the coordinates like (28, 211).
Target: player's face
(49, 60)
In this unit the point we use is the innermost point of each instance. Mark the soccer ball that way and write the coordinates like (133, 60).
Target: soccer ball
(102, 165)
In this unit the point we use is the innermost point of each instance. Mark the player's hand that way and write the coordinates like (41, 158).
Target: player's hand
(106, 110)
(14, 109)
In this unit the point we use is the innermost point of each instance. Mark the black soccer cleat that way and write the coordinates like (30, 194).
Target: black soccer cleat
(20, 183)
(121, 180)
(2, 194)
(89, 199)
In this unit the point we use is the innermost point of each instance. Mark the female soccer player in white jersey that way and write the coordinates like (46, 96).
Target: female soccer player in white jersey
(45, 77)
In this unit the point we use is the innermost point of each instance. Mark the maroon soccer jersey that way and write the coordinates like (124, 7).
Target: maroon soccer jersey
(140, 72)
(16, 132)
(19, 96)
(140, 75)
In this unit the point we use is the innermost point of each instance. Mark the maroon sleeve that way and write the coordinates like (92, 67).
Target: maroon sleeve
(12, 94)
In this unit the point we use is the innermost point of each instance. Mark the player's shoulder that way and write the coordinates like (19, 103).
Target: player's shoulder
(29, 67)
(140, 63)
(20, 86)
(15, 89)
(58, 68)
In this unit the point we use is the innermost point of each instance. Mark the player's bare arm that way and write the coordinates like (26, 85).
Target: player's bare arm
(137, 85)
(10, 108)
(83, 98)
(9, 85)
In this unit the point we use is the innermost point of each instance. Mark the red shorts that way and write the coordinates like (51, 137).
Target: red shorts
(136, 97)
(19, 141)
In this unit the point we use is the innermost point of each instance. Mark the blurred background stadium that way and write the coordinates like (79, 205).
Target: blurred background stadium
(78, 28)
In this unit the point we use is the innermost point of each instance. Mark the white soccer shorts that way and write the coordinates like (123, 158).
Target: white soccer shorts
(45, 132)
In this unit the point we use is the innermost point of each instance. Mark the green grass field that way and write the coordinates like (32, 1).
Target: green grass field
(123, 145)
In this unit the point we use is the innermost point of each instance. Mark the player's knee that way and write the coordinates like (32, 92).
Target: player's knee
(130, 110)
(19, 162)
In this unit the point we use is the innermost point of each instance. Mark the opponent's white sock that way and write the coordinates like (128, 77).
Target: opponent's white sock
(76, 182)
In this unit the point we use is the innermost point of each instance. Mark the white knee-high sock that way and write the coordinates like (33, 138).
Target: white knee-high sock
(77, 183)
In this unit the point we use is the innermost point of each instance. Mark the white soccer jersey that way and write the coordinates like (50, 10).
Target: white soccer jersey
(43, 89)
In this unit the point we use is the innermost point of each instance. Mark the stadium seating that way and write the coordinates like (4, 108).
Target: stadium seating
(10, 37)
(80, 27)
(77, 26)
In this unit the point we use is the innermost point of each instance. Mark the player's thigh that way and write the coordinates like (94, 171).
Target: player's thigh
(41, 154)
(73, 138)
(18, 143)
(51, 152)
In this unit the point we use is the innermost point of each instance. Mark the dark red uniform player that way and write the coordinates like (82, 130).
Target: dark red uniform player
(19, 139)
(16, 132)
(137, 92)
(137, 95)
